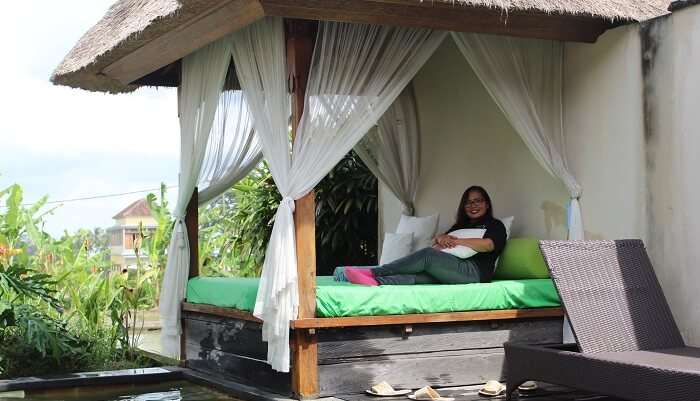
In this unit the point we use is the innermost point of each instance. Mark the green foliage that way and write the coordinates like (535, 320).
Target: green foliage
(346, 216)
(61, 309)
(235, 229)
(20, 283)
(155, 245)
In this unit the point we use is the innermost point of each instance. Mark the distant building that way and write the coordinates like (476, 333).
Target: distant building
(125, 231)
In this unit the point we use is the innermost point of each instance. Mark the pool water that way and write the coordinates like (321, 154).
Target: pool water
(165, 391)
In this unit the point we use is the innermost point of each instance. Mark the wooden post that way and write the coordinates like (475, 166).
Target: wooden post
(300, 37)
(192, 225)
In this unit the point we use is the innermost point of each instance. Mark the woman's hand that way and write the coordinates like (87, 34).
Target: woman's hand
(440, 240)
(450, 242)
(445, 241)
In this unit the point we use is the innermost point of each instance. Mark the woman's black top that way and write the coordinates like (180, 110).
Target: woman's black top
(496, 232)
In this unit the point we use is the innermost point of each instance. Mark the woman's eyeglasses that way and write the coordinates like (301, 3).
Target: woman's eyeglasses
(474, 202)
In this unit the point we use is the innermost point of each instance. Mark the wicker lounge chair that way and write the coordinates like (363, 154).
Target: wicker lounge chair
(628, 343)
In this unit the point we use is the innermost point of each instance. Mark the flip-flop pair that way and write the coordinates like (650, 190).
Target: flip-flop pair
(426, 393)
(494, 388)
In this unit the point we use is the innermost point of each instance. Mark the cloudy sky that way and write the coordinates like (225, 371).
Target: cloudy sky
(69, 143)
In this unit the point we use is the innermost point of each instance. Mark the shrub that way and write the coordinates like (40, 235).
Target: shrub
(235, 229)
(61, 309)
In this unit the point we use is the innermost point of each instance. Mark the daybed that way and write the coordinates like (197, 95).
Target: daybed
(629, 344)
(442, 335)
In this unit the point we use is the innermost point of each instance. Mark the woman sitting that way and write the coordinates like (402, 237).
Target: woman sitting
(433, 266)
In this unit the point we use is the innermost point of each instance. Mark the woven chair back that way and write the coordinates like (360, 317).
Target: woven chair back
(611, 295)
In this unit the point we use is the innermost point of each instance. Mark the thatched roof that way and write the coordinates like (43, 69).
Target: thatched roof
(129, 24)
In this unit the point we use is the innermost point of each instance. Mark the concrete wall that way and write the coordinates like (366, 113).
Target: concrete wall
(604, 128)
(672, 49)
(467, 141)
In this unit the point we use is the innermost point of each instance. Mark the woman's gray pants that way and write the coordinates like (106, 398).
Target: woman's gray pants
(428, 266)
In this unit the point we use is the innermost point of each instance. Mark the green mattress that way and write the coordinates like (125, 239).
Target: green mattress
(336, 299)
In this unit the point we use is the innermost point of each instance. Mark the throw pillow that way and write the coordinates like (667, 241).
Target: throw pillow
(423, 229)
(396, 246)
(521, 259)
(462, 251)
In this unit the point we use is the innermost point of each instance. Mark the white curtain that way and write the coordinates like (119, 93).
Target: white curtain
(260, 59)
(203, 74)
(357, 72)
(391, 150)
(233, 149)
(524, 77)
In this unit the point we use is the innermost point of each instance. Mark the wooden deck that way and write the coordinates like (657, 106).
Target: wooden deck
(545, 392)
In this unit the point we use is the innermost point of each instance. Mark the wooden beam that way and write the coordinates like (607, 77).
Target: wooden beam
(301, 36)
(387, 320)
(450, 16)
(192, 225)
(219, 311)
(423, 318)
(225, 17)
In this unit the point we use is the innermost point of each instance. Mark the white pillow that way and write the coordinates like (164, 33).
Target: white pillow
(423, 229)
(507, 221)
(462, 251)
(396, 246)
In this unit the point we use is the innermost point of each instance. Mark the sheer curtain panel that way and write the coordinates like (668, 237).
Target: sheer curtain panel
(260, 59)
(357, 73)
(203, 74)
(391, 150)
(524, 77)
(233, 149)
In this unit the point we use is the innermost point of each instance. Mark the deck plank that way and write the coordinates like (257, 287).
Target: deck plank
(387, 340)
(447, 368)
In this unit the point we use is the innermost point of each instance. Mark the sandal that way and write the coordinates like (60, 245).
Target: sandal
(492, 388)
(428, 393)
(384, 389)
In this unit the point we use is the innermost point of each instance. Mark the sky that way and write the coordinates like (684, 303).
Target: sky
(69, 143)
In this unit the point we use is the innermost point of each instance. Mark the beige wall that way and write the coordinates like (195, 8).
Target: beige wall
(467, 141)
(604, 129)
(135, 221)
(673, 147)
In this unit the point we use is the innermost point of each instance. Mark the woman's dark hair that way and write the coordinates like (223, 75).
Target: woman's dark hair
(462, 218)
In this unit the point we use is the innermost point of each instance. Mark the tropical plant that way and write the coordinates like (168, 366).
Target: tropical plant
(235, 229)
(155, 243)
(61, 309)
(346, 216)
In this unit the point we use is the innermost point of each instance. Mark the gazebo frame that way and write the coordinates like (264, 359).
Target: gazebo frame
(319, 367)
(332, 355)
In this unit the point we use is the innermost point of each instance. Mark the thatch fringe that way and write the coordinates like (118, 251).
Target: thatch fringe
(131, 23)
(631, 10)
(128, 25)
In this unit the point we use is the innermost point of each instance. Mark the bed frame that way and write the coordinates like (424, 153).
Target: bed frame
(332, 356)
